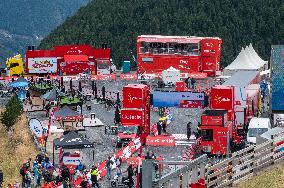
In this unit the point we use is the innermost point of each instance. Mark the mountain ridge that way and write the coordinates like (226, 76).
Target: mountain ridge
(237, 22)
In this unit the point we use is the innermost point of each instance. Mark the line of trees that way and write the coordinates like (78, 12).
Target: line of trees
(118, 23)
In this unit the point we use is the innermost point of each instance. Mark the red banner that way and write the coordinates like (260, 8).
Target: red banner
(160, 141)
(191, 104)
(103, 77)
(128, 76)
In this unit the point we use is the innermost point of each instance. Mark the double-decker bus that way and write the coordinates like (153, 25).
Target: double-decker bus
(188, 54)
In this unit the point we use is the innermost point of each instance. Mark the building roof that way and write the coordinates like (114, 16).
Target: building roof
(241, 78)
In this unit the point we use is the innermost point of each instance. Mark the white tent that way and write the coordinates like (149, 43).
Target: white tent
(171, 76)
(247, 59)
(256, 56)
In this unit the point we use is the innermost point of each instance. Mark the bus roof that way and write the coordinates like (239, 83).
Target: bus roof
(176, 39)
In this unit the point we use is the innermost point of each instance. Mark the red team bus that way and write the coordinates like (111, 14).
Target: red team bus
(188, 54)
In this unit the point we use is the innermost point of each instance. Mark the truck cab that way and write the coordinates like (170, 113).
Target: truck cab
(216, 132)
(127, 133)
(15, 65)
(257, 126)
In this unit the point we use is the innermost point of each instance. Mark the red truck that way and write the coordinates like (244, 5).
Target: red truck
(216, 132)
(68, 60)
(135, 115)
(238, 97)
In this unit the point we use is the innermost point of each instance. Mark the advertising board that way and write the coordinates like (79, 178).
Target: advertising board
(160, 141)
(42, 65)
(222, 97)
(178, 99)
(135, 96)
(69, 160)
(132, 117)
(277, 69)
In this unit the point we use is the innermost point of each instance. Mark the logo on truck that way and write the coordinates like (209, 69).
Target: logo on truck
(132, 117)
(132, 98)
(219, 99)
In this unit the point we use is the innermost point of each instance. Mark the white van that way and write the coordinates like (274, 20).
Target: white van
(257, 126)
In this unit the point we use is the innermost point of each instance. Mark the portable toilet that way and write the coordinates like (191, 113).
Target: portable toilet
(126, 66)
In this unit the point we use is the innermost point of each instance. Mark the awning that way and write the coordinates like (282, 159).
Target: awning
(72, 140)
(74, 58)
(67, 114)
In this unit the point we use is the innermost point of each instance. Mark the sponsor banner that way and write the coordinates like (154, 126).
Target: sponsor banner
(68, 160)
(36, 127)
(160, 141)
(132, 117)
(177, 99)
(42, 65)
(128, 76)
(68, 78)
(103, 77)
(191, 104)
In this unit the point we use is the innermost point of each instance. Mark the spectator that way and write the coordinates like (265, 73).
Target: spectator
(65, 172)
(148, 156)
(193, 83)
(108, 166)
(36, 173)
(188, 130)
(28, 178)
(153, 155)
(159, 127)
(94, 177)
(39, 158)
(84, 183)
(1, 178)
(118, 166)
(130, 174)
(23, 172)
(163, 120)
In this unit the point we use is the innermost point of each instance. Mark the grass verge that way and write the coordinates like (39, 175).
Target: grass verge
(274, 178)
(15, 148)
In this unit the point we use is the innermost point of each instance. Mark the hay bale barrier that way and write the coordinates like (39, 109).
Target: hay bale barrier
(16, 146)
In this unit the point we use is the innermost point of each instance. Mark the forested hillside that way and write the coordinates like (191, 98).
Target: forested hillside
(26, 22)
(118, 23)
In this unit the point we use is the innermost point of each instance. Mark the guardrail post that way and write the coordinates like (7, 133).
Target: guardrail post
(254, 163)
(272, 149)
(230, 171)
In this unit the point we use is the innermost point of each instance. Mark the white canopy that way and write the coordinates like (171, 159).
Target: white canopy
(247, 59)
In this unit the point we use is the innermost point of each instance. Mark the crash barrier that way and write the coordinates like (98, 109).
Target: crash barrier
(184, 174)
(244, 164)
(240, 166)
